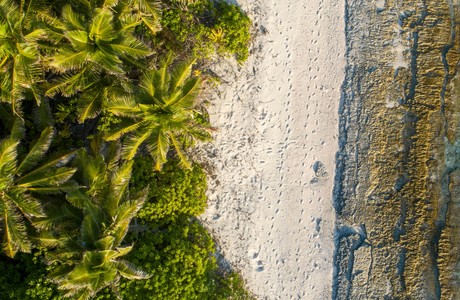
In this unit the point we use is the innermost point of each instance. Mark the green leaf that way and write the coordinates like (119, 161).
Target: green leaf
(101, 29)
(179, 74)
(130, 47)
(38, 151)
(133, 143)
(15, 233)
(78, 198)
(48, 240)
(18, 130)
(52, 177)
(129, 271)
(78, 38)
(188, 94)
(183, 159)
(112, 136)
(91, 227)
(29, 206)
(55, 162)
(105, 243)
(120, 180)
(8, 156)
(90, 105)
(159, 144)
(67, 59)
(72, 18)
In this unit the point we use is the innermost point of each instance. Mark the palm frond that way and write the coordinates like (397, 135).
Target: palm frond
(147, 82)
(38, 151)
(42, 115)
(55, 161)
(29, 206)
(182, 157)
(15, 233)
(108, 61)
(105, 243)
(46, 179)
(187, 95)
(115, 135)
(67, 59)
(78, 39)
(35, 35)
(120, 180)
(47, 239)
(90, 104)
(128, 46)
(101, 29)
(152, 23)
(69, 84)
(113, 155)
(162, 80)
(133, 143)
(150, 13)
(130, 271)
(158, 145)
(18, 130)
(93, 171)
(8, 8)
(72, 18)
(123, 106)
(78, 198)
(8, 155)
(91, 226)
(57, 217)
(179, 74)
(124, 214)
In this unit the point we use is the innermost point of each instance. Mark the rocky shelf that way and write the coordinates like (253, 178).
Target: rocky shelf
(397, 185)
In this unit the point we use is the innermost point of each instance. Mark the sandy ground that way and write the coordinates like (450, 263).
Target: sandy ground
(270, 198)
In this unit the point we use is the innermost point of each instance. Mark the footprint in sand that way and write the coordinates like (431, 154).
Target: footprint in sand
(319, 169)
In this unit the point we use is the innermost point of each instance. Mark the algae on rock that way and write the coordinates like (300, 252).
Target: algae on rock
(395, 195)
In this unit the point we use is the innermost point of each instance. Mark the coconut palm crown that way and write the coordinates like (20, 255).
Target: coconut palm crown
(21, 180)
(20, 59)
(162, 114)
(92, 58)
(91, 260)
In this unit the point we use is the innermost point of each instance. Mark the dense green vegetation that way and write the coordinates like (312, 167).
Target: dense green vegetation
(99, 108)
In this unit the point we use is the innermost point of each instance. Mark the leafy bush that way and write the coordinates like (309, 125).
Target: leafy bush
(173, 191)
(179, 256)
(235, 26)
(23, 278)
(204, 28)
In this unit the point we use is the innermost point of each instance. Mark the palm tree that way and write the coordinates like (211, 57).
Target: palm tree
(162, 114)
(91, 259)
(146, 12)
(92, 58)
(20, 60)
(21, 179)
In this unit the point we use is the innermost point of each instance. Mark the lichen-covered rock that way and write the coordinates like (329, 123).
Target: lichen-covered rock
(398, 114)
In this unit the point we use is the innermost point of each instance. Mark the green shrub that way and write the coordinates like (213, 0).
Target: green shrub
(173, 191)
(234, 26)
(24, 277)
(179, 258)
(204, 28)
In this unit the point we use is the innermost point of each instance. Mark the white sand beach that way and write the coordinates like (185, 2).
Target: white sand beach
(270, 197)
